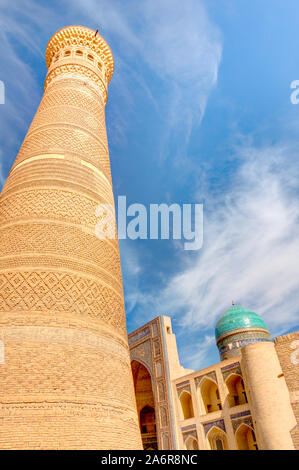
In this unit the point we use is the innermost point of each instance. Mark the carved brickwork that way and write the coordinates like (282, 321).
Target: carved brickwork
(60, 292)
(85, 38)
(66, 379)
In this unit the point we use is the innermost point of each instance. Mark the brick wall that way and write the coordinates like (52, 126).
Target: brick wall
(287, 348)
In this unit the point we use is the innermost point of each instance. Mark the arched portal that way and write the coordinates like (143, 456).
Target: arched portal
(145, 405)
(245, 438)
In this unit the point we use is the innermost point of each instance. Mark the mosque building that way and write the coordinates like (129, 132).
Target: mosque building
(247, 401)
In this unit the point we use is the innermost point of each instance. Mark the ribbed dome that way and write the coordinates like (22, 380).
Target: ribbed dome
(238, 318)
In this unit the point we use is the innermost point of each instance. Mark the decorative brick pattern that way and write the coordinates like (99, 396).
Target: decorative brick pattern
(66, 381)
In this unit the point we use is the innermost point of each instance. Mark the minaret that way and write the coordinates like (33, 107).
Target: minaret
(66, 379)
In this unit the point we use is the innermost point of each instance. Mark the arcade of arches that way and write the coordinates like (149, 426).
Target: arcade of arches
(145, 405)
(214, 408)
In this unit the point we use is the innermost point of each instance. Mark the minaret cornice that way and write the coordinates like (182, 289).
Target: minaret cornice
(81, 37)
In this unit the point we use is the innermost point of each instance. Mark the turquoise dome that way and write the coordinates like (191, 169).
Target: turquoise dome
(238, 318)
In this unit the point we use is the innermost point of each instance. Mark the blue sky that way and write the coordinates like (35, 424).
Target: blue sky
(199, 111)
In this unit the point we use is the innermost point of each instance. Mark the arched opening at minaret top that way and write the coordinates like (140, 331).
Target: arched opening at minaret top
(145, 405)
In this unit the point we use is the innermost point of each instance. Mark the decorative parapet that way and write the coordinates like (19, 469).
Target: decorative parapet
(286, 338)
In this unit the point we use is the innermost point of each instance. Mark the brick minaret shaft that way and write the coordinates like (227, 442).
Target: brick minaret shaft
(66, 381)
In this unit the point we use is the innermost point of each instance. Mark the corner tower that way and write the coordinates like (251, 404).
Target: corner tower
(66, 379)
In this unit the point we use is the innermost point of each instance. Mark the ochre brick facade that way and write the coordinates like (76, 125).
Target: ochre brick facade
(287, 348)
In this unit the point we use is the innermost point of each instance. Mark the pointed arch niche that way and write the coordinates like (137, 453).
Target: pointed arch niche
(217, 439)
(208, 396)
(187, 410)
(145, 405)
(236, 390)
(245, 438)
(191, 443)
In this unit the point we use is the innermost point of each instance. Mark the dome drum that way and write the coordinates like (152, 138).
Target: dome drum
(237, 328)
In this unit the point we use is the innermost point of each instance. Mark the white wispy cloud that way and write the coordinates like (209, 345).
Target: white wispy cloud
(133, 270)
(179, 44)
(250, 252)
(250, 255)
(192, 355)
(184, 47)
(20, 32)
